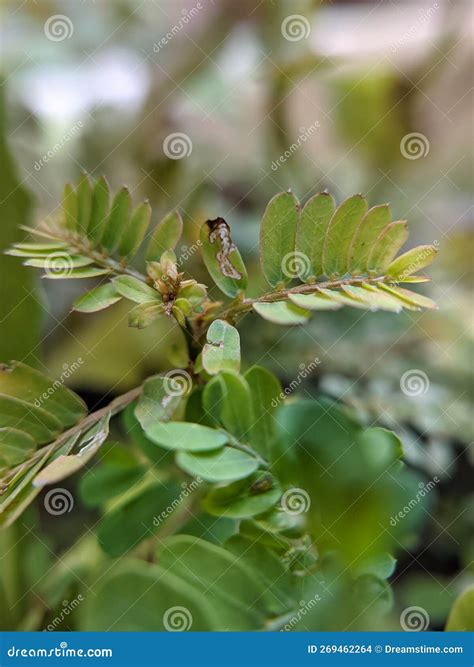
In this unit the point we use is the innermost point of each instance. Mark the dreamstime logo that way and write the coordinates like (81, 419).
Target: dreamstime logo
(177, 619)
(424, 490)
(295, 263)
(414, 619)
(58, 501)
(187, 16)
(295, 27)
(414, 382)
(58, 265)
(58, 28)
(414, 145)
(424, 16)
(177, 145)
(302, 611)
(305, 370)
(67, 608)
(75, 129)
(187, 490)
(419, 260)
(295, 501)
(68, 371)
(303, 136)
(177, 382)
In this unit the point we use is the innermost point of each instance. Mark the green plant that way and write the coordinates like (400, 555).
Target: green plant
(240, 508)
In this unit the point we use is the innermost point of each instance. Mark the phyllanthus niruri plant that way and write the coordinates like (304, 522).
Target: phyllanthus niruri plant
(262, 502)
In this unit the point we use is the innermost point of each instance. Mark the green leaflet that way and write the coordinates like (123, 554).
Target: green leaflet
(165, 236)
(245, 498)
(374, 299)
(227, 399)
(277, 237)
(117, 220)
(15, 446)
(108, 480)
(409, 297)
(41, 425)
(314, 301)
(99, 210)
(84, 193)
(340, 233)
(97, 299)
(135, 290)
(161, 397)
(411, 261)
(224, 465)
(70, 208)
(135, 230)
(281, 312)
(222, 350)
(371, 226)
(222, 258)
(311, 233)
(66, 263)
(182, 435)
(265, 391)
(20, 381)
(386, 247)
(80, 273)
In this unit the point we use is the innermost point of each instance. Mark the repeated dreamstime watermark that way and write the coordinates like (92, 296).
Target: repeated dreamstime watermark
(177, 145)
(303, 136)
(295, 501)
(419, 260)
(295, 28)
(59, 27)
(304, 372)
(58, 265)
(424, 490)
(177, 382)
(58, 501)
(187, 490)
(295, 263)
(177, 619)
(414, 619)
(187, 15)
(67, 608)
(414, 145)
(304, 608)
(424, 15)
(414, 382)
(70, 134)
(68, 371)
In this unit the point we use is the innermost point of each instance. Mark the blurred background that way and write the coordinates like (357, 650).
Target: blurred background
(214, 106)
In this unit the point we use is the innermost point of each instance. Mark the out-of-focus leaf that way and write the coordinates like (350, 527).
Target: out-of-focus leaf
(227, 399)
(277, 237)
(340, 233)
(224, 465)
(311, 233)
(461, 616)
(80, 273)
(70, 207)
(265, 390)
(84, 196)
(222, 350)
(165, 236)
(135, 230)
(42, 426)
(222, 257)
(107, 480)
(118, 217)
(145, 314)
(97, 299)
(282, 312)
(183, 435)
(15, 446)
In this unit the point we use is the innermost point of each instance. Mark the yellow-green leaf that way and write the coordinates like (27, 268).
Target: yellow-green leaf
(277, 237)
(311, 233)
(371, 226)
(165, 236)
(117, 220)
(340, 233)
(386, 247)
(411, 261)
(222, 350)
